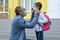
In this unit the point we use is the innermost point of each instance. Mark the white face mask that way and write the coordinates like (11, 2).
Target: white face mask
(35, 9)
(25, 13)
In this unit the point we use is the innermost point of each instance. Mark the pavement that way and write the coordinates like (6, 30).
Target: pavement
(6, 37)
(52, 34)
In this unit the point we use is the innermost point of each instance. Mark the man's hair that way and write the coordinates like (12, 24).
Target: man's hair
(17, 10)
(39, 4)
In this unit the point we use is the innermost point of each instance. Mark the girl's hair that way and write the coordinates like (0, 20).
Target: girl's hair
(39, 4)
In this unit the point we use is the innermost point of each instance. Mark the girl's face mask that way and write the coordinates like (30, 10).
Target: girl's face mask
(35, 9)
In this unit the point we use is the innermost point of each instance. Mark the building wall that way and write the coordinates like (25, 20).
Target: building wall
(54, 8)
(13, 3)
(11, 7)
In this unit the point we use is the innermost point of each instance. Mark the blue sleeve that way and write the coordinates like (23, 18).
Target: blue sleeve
(32, 16)
(25, 24)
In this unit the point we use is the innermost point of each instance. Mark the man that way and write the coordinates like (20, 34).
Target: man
(41, 20)
(19, 24)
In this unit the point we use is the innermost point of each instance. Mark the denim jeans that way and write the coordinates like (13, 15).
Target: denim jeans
(39, 35)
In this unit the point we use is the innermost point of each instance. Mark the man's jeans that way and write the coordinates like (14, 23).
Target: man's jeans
(39, 35)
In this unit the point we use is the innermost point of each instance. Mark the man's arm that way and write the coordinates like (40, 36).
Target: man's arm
(32, 16)
(25, 24)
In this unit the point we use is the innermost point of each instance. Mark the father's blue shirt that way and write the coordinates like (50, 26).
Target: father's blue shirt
(18, 27)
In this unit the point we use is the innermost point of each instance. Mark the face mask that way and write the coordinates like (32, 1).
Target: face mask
(25, 13)
(35, 9)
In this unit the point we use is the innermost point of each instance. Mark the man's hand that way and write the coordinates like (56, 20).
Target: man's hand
(37, 12)
(32, 10)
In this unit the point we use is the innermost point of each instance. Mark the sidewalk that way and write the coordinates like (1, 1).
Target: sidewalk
(2, 37)
(52, 34)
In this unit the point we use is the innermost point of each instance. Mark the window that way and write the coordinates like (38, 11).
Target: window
(27, 4)
(6, 6)
(3, 6)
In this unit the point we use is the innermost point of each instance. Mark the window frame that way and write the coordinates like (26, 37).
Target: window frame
(29, 7)
(4, 7)
(25, 6)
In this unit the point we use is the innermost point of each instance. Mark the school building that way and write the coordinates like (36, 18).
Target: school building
(7, 7)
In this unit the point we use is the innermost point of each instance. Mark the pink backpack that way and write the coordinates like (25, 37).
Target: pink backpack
(46, 26)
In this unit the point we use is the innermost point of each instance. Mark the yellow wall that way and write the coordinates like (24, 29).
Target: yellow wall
(11, 7)
(14, 3)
